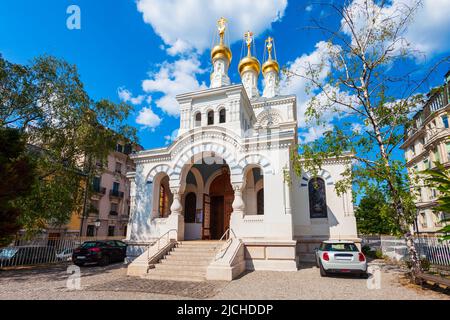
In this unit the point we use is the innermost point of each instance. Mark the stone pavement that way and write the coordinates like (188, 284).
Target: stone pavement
(193, 290)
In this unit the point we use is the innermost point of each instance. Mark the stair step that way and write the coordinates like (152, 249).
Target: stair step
(186, 273)
(174, 278)
(175, 268)
(194, 249)
(203, 263)
(189, 258)
(193, 255)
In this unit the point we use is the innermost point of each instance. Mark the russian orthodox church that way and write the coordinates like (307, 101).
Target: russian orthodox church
(224, 178)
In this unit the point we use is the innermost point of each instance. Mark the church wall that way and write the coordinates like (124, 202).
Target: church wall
(340, 223)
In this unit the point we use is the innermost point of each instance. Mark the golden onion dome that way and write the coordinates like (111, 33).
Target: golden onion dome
(249, 63)
(270, 65)
(221, 52)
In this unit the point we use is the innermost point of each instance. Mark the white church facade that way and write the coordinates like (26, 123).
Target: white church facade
(224, 179)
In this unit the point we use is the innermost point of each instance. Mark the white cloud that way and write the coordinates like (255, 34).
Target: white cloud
(314, 133)
(309, 8)
(185, 25)
(171, 137)
(296, 84)
(172, 79)
(429, 30)
(126, 96)
(148, 118)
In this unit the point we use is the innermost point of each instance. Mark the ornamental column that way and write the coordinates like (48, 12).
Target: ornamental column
(237, 216)
(176, 219)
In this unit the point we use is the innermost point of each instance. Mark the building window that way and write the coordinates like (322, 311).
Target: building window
(162, 200)
(118, 167)
(111, 230)
(90, 231)
(116, 187)
(445, 121)
(436, 155)
(198, 119)
(426, 164)
(260, 202)
(447, 149)
(317, 198)
(119, 148)
(96, 184)
(114, 209)
(210, 118)
(222, 116)
(190, 205)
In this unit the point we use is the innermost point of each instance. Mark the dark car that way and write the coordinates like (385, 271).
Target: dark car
(99, 252)
(26, 255)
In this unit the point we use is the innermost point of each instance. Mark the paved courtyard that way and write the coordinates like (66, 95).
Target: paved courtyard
(112, 283)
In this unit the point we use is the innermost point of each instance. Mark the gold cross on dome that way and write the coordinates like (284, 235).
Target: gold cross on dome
(269, 45)
(221, 26)
(248, 36)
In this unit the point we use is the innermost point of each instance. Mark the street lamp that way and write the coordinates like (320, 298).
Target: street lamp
(97, 225)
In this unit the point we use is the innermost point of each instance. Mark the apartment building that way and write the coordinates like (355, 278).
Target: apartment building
(427, 142)
(108, 206)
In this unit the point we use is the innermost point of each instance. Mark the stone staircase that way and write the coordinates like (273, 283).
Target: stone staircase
(186, 262)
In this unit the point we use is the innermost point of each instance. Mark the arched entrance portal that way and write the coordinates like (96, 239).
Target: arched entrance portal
(218, 206)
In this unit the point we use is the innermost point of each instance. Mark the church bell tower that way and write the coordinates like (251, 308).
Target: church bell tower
(271, 71)
(221, 58)
(249, 69)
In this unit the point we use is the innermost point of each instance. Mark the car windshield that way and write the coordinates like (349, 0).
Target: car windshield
(339, 247)
(8, 252)
(88, 245)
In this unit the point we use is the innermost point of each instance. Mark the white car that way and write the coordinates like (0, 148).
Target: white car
(65, 255)
(336, 256)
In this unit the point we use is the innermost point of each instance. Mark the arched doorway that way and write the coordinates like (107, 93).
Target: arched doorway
(218, 206)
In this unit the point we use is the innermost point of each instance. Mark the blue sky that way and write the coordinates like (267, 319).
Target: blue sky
(151, 50)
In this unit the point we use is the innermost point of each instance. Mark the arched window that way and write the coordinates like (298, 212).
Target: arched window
(210, 118)
(198, 119)
(222, 117)
(190, 207)
(260, 202)
(317, 198)
(162, 200)
(165, 198)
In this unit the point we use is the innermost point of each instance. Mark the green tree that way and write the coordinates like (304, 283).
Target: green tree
(439, 178)
(68, 131)
(374, 214)
(363, 78)
(16, 180)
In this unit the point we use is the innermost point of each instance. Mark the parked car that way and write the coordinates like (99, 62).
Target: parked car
(65, 254)
(99, 252)
(336, 256)
(26, 255)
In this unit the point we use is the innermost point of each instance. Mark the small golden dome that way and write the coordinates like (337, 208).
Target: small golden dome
(270, 65)
(221, 51)
(249, 63)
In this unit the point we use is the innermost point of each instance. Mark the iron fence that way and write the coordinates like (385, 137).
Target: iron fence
(437, 252)
(24, 251)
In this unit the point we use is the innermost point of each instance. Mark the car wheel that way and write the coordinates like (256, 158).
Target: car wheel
(104, 261)
(363, 275)
(79, 264)
(323, 273)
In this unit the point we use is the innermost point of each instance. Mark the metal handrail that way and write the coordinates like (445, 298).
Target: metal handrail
(158, 241)
(229, 239)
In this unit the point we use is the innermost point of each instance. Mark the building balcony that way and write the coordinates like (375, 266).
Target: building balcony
(116, 194)
(99, 190)
(124, 217)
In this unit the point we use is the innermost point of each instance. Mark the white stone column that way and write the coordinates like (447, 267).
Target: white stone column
(176, 219)
(237, 216)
